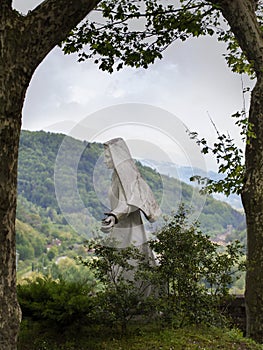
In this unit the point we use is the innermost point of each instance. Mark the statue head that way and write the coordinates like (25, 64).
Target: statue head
(137, 192)
(116, 153)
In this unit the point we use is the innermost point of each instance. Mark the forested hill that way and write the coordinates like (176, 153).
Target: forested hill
(37, 157)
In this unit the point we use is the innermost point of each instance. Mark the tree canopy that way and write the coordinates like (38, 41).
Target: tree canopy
(136, 33)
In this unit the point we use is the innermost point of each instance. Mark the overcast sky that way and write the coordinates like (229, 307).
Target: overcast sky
(190, 82)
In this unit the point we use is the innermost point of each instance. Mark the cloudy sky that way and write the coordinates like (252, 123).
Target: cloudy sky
(191, 82)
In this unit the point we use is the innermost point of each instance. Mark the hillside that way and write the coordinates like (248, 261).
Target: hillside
(38, 152)
(41, 220)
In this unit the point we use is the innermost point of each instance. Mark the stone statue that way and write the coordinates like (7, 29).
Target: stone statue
(129, 196)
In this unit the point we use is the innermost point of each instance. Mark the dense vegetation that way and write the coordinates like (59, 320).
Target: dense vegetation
(38, 152)
(60, 296)
(189, 286)
(43, 234)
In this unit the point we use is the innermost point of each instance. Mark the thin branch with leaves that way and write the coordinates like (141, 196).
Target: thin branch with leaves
(229, 157)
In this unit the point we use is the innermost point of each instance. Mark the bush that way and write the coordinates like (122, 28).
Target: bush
(58, 304)
(121, 273)
(195, 274)
(190, 281)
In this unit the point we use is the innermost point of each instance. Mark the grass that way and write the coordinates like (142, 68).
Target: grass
(139, 337)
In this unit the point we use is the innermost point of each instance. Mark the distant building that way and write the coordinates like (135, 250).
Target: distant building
(55, 242)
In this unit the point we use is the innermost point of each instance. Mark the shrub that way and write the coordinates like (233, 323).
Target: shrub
(195, 274)
(57, 303)
(189, 282)
(122, 273)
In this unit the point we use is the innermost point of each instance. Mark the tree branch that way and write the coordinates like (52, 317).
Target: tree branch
(51, 21)
(242, 19)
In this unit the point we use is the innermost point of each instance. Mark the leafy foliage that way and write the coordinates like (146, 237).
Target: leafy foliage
(187, 285)
(59, 304)
(34, 184)
(123, 273)
(28, 241)
(67, 269)
(196, 273)
(229, 158)
(44, 236)
(235, 57)
(36, 167)
(37, 156)
(43, 239)
(135, 33)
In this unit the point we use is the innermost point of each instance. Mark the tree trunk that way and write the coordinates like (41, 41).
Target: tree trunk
(252, 198)
(242, 19)
(24, 43)
(10, 315)
(14, 80)
(12, 92)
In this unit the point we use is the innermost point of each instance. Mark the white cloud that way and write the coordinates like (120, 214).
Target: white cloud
(191, 80)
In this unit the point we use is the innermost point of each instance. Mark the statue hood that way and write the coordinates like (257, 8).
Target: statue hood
(136, 190)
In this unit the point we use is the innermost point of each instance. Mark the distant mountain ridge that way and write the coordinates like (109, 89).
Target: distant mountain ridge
(183, 173)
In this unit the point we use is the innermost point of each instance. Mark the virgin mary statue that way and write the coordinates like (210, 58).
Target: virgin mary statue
(129, 196)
